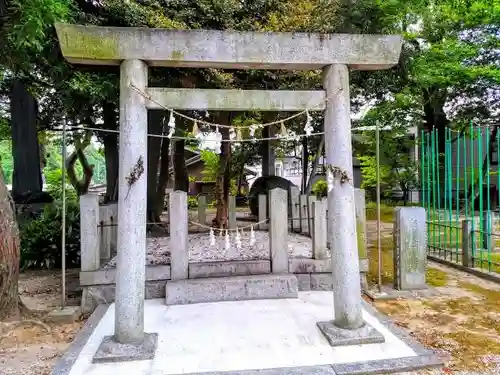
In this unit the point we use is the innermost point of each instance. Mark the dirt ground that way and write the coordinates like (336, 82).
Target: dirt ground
(463, 321)
(31, 347)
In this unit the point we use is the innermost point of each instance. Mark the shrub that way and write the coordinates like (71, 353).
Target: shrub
(41, 238)
(53, 179)
(192, 202)
(320, 189)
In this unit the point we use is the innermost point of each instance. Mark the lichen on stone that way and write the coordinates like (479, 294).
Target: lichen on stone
(177, 55)
(360, 233)
(85, 44)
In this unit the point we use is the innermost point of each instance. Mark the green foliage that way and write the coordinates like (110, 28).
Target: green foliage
(320, 188)
(31, 19)
(6, 161)
(398, 167)
(52, 171)
(41, 238)
(192, 202)
(369, 174)
(53, 179)
(211, 168)
(386, 212)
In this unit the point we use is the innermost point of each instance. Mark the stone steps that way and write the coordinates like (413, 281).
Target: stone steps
(234, 288)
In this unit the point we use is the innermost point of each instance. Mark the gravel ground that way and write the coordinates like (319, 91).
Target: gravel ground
(200, 250)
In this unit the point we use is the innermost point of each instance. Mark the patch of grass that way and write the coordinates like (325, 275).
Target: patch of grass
(491, 297)
(471, 347)
(484, 322)
(387, 263)
(464, 306)
(435, 277)
(386, 212)
(483, 258)
(474, 332)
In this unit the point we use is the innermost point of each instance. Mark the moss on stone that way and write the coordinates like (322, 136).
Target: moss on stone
(75, 43)
(361, 240)
(177, 55)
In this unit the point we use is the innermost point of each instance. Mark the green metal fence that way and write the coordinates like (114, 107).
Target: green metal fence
(460, 180)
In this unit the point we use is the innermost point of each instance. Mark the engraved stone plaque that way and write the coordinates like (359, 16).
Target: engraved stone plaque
(410, 248)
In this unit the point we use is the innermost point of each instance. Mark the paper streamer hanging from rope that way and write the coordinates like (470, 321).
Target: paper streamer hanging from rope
(252, 236)
(228, 243)
(171, 125)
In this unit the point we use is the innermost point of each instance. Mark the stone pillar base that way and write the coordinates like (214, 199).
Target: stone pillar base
(343, 337)
(112, 351)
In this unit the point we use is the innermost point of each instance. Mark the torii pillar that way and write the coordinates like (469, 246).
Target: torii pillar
(347, 326)
(136, 48)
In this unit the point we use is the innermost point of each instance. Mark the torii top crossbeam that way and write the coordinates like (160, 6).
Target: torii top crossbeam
(226, 49)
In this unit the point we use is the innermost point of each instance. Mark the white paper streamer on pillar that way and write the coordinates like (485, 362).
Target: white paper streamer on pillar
(232, 134)
(218, 141)
(238, 239)
(195, 129)
(283, 131)
(171, 125)
(252, 130)
(252, 236)
(212, 237)
(308, 128)
(228, 244)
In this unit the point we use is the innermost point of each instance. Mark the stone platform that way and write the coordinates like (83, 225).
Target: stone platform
(268, 337)
(234, 288)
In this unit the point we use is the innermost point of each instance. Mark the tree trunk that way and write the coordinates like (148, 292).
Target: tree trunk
(222, 182)
(305, 162)
(110, 141)
(164, 174)
(181, 179)
(315, 165)
(405, 196)
(241, 175)
(27, 176)
(9, 255)
(155, 126)
(434, 115)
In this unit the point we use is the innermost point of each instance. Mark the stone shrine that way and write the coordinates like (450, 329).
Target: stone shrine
(137, 49)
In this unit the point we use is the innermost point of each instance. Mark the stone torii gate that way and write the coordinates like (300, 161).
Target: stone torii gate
(134, 49)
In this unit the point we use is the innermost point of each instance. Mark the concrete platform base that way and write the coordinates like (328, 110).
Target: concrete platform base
(340, 337)
(235, 288)
(389, 293)
(112, 351)
(68, 315)
(258, 337)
